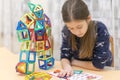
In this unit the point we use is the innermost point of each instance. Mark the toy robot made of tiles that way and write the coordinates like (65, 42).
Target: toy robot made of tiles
(34, 31)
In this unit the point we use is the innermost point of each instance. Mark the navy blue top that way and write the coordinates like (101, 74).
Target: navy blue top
(101, 54)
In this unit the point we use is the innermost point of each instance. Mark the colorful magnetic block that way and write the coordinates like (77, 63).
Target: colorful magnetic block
(31, 6)
(32, 35)
(21, 67)
(47, 44)
(27, 56)
(41, 55)
(38, 8)
(38, 11)
(30, 67)
(78, 71)
(24, 56)
(38, 76)
(44, 55)
(21, 26)
(27, 20)
(41, 22)
(23, 35)
(45, 37)
(40, 45)
(47, 21)
(46, 64)
(38, 37)
(48, 32)
(48, 53)
(32, 56)
(39, 25)
(32, 15)
(40, 32)
(25, 45)
(33, 46)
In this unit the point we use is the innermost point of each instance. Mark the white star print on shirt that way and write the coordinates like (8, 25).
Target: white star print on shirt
(101, 44)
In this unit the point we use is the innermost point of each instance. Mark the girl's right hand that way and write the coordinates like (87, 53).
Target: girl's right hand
(67, 72)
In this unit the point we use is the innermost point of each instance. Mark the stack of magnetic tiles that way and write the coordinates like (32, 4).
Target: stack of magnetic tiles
(34, 31)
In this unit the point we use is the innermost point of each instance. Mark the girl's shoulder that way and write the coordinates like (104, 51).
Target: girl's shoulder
(101, 28)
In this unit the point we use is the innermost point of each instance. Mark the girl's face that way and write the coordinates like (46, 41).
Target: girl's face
(78, 27)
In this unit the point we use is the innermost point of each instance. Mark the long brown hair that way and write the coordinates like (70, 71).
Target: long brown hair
(78, 10)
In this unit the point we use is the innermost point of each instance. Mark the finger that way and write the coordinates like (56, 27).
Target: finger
(71, 73)
(62, 74)
(68, 74)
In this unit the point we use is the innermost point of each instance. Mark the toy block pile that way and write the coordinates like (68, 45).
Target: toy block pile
(34, 31)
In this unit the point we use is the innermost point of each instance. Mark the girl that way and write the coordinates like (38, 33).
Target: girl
(85, 42)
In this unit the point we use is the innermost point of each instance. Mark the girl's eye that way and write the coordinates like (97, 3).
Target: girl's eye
(70, 28)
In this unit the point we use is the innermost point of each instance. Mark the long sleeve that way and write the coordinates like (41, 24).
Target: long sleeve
(101, 53)
(66, 51)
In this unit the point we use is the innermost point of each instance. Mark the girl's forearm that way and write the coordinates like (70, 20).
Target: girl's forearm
(65, 63)
(84, 64)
